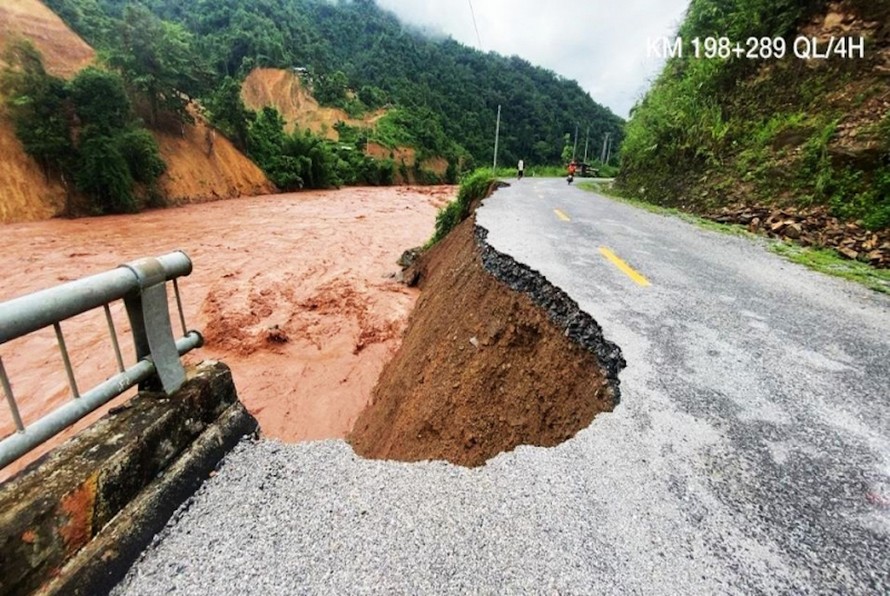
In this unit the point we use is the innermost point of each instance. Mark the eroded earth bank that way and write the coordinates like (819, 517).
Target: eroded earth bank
(494, 357)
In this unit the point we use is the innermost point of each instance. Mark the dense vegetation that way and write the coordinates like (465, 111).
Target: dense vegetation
(300, 159)
(83, 131)
(447, 95)
(711, 132)
(475, 187)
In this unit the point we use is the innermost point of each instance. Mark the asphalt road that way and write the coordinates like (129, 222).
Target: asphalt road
(750, 452)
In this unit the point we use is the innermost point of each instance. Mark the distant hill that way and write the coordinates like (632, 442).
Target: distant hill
(29, 192)
(361, 58)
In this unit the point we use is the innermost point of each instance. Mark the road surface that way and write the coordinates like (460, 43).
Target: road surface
(750, 451)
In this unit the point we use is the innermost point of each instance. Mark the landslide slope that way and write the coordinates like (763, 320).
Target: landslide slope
(789, 133)
(201, 165)
(64, 53)
(493, 357)
(25, 193)
(283, 90)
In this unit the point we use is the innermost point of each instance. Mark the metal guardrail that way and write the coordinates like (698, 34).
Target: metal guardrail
(142, 285)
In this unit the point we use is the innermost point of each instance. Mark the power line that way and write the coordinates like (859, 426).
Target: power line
(475, 26)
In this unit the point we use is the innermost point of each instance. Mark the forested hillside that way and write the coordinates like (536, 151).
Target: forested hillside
(72, 136)
(361, 58)
(806, 135)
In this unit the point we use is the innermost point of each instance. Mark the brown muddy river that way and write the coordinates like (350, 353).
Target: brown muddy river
(294, 292)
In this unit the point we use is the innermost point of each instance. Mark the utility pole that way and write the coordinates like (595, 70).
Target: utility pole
(605, 144)
(497, 134)
(609, 150)
(575, 146)
(586, 143)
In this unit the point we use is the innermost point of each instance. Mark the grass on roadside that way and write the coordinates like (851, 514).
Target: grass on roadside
(828, 261)
(819, 259)
(473, 187)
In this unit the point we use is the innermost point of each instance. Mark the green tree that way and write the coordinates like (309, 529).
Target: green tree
(567, 148)
(373, 97)
(266, 136)
(37, 104)
(111, 154)
(330, 89)
(157, 60)
(228, 112)
(100, 100)
(103, 174)
(140, 150)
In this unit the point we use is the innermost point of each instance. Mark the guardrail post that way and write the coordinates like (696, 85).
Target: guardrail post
(149, 316)
(142, 286)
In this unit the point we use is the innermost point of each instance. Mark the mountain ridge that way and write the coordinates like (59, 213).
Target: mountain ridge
(355, 45)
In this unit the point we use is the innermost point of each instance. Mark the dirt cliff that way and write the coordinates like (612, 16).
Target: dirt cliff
(284, 91)
(405, 160)
(25, 193)
(64, 52)
(201, 165)
(483, 367)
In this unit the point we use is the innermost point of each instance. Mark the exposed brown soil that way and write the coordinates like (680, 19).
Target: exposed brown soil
(203, 165)
(26, 193)
(283, 90)
(862, 100)
(294, 292)
(406, 156)
(64, 52)
(481, 370)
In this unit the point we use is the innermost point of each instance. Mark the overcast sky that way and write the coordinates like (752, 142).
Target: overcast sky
(600, 44)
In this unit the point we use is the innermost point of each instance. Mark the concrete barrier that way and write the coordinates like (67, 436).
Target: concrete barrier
(73, 521)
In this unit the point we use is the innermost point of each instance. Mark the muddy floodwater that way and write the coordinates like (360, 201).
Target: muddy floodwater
(295, 292)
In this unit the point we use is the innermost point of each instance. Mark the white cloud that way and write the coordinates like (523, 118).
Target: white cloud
(602, 45)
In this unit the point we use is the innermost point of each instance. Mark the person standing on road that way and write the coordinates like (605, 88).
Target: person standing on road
(520, 170)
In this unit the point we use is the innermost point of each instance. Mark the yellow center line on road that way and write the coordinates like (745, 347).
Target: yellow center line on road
(561, 215)
(625, 268)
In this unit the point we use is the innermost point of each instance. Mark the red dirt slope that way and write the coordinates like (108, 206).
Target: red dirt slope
(64, 53)
(201, 165)
(284, 91)
(481, 370)
(25, 193)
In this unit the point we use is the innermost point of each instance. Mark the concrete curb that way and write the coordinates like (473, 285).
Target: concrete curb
(99, 566)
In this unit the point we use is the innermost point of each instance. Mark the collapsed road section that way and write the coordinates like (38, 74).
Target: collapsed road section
(494, 357)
